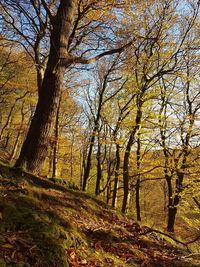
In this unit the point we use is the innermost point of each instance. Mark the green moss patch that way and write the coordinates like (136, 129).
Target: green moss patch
(44, 223)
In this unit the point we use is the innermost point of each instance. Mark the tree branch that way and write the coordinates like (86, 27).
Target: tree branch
(51, 17)
(82, 60)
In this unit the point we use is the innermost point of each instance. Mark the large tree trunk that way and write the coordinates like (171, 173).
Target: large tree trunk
(34, 149)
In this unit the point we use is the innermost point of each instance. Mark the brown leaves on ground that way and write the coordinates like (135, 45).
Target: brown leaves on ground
(101, 236)
(16, 247)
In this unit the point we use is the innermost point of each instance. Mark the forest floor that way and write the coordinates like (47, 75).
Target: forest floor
(45, 224)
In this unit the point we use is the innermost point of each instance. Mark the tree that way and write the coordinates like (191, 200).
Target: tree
(107, 76)
(27, 24)
(17, 96)
(173, 112)
(65, 26)
(154, 57)
(34, 149)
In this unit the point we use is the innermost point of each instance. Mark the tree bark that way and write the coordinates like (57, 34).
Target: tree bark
(126, 171)
(137, 194)
(89, 158)
(16, 143)
(35, 146)
(99, 171)
(127, 155)
(55, 143)
(172, 210)
(137, 200)
(116, 180)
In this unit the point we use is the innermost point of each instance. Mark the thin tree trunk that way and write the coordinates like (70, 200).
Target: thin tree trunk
(7, 121)
(108, 193)
(99, 171)
(172, 211)
(127, 155)
(170, 219)
(55, 143)
(82, 166)
(88, 161)
(126, 170)
(137, 194)
(50, 160)
(116, 180)
(71, 156)
(137, 199)
(165, 196)
(9, 118)
(16, 144)
(14, 150)
(110, 172)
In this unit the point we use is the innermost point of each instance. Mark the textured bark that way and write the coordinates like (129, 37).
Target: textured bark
(172, 210)
(127, 156)
(35, 146)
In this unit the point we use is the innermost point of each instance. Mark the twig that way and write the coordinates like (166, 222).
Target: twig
(167, 235)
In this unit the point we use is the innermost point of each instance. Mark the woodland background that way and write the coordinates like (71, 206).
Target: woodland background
(126, 127)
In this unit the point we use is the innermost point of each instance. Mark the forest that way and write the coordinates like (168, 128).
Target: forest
(102, 100)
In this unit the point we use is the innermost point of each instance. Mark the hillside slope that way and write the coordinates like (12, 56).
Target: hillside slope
(45, 224)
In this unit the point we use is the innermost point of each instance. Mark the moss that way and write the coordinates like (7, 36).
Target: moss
(22, 212)
(53, 251)
(50, 218)
(18, 213)
(19, 264)
(67, 184)
(2, 263)
(2, 240)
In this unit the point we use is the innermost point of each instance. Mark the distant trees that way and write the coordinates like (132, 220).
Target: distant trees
(150, 63)
(177, 119)
(108, 86)
(16, 97)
